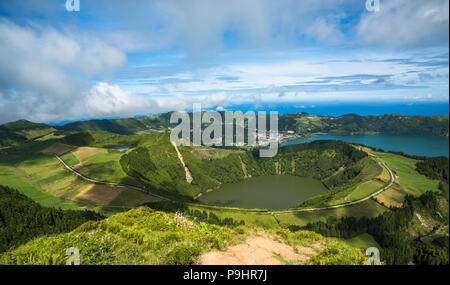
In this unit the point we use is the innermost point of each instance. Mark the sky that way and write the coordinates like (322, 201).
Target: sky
(117, 58)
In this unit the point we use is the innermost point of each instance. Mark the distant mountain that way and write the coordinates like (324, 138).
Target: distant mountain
(15, 133)
(24, 125)
(125, 126)
(20, 131)
(352, 124)
(299, 123)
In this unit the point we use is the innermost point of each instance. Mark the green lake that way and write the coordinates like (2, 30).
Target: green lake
(270, 192)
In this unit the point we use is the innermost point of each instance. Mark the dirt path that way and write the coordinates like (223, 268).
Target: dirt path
(422, 221)
(244, 169)
(188, 173)
(257, 250)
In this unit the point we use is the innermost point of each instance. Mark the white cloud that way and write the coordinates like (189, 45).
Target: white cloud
(100, 101)
(406, 23)
(305, 76)
(47, 72)
(201, 26)
(106, 100)
(28, 49)
(216, 99)
(324, 31)
(44, 71)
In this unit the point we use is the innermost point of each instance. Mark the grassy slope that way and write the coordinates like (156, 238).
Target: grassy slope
(365, 189)
(42, 178)
(367, 208)
(144, 236)
(33, 176)
(363, 241)
(411, 180)
(102, 165)
(17, 132)
(407, 181)
(46, 173)
(364, 184)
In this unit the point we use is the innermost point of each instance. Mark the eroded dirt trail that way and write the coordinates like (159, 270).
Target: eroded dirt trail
(188, 173)
(257, 250)
(422, 221)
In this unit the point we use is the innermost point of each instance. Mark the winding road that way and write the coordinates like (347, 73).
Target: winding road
(241, 212)
(109, 183)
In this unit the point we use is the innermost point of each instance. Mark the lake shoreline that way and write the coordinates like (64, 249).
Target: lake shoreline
(258, 192)
(429, 146)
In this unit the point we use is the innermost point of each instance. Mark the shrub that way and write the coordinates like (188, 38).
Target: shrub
(217, 242)
(239, 229)
(284, 233)
(182, 255)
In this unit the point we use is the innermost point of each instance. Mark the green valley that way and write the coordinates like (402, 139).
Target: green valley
(151, 195)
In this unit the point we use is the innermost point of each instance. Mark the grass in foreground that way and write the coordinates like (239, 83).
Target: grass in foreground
(145, 236)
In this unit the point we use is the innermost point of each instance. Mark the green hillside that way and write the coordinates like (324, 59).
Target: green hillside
(145, 236)
(17, 132)
(121, 126)
(305, 124)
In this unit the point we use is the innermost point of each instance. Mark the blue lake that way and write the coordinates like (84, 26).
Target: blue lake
(410, 144)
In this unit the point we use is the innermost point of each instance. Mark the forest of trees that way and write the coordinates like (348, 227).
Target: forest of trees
(434, 168)
(22, 219)
(389, 229)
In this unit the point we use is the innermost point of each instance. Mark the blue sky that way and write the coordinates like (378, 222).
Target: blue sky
(115, 58)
